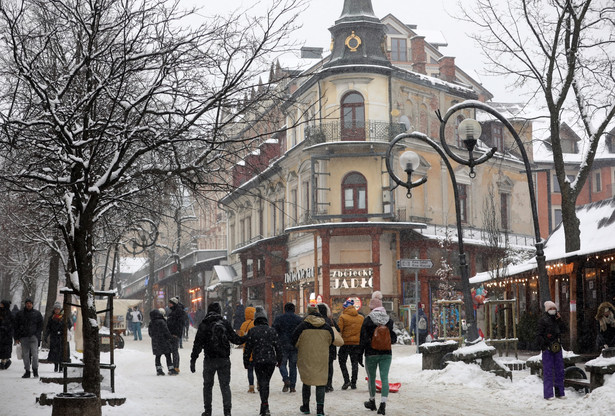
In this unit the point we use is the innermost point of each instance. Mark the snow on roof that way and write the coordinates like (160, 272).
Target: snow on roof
(225, 274)
(597, 225)
(131, 264)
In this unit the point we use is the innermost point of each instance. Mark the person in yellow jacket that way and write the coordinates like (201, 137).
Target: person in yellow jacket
(245, 327)
(350, 323)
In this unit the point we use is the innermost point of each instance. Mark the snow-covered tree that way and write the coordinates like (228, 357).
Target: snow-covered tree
(562, 51)
(101, 100)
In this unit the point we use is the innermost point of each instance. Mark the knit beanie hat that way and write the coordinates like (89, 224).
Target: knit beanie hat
(260, 313)
(549, 305)
(215, 308)
(162, 311)
(28, 300)
(348, 302)
(376, 301)
(57, 305)
(174, 300)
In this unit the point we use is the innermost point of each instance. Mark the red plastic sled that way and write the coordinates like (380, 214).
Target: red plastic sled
(393, 387)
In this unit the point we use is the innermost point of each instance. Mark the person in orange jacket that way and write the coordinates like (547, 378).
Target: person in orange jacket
(350, 323)
(245, 327)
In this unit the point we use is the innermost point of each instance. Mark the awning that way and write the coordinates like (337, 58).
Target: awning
(222, 275)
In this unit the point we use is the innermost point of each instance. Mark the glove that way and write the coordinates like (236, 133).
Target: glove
(193, 366)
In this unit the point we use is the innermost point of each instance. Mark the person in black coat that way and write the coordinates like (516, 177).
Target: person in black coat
(551, 327)
(28, 332)
(606, 325)
(54, 331)
(175, 322)
(239, 316)
(213, 338)
(161, 341)
(6, 334)
(285, 325)
(262, 344)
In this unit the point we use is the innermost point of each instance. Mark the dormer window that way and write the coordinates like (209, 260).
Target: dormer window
(568, 145)
(399, 50)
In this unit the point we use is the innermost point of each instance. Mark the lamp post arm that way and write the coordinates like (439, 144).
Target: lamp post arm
(465, 278)
(543, 278)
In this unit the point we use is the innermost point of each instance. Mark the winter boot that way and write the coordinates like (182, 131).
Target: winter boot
(382, 408)
(346, 385)
(292, 390)
(286, 386)
(2, 366)
(251, 389)
(7, 364)
(26, 374)
(305, 409)
(227, 412)
(370, 404)
(320, 409)
(56, 367)
(35, 372)
(159, 371)
(264, 410)
(172, 371)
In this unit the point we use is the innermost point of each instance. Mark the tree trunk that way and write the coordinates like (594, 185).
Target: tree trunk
(149, 294)
(571, 225)
(91, 345)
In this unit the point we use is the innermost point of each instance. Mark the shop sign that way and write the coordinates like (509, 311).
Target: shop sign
(298, 275)
(352, 279)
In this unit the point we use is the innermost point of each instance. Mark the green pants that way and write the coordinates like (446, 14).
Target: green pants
(373, 362)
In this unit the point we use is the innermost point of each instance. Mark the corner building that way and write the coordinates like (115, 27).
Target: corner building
(319, 215)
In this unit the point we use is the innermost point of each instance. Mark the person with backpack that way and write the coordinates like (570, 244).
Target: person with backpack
(285, 325)
(247, 325)
(161, 340)
(312, 337)
(422, 325)
(213, 337)
(350, 323)
(377, 336)
(263, 348)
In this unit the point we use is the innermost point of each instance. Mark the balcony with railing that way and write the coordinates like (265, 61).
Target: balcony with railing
(335, 131)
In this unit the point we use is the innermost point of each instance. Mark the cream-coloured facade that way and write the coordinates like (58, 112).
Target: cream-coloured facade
(322, 218)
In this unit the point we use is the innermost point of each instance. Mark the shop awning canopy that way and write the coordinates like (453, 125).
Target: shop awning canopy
(222, 275)
(597, 225)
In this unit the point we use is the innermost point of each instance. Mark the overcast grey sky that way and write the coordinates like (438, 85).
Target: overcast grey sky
(432, 15)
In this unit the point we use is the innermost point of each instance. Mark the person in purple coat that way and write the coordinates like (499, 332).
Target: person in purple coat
(550, 330)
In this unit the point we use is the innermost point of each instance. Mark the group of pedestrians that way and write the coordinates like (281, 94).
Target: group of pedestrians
(293, 343)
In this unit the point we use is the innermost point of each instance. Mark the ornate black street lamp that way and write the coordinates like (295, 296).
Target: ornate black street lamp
(469, 130)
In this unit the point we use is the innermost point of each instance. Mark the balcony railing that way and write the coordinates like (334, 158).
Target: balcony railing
(368, 131)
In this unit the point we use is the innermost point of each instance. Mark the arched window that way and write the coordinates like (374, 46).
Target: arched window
(354, 195)
(353, 117)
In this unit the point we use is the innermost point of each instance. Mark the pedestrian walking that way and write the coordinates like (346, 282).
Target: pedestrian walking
(248, 324)
(175, 323)
(325, 311)
(285, 325)
(238, 316)
(137, 321)
(54, 332)
(213, 337)
(350, 323)
(161, 341)
(312, 337)
(377, 336)
(128, 320)
(551, 327)
(418, 326)
(28, 331)
(263, 348)
(6, 334)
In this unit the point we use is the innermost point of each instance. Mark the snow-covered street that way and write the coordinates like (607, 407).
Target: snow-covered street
(458, 390)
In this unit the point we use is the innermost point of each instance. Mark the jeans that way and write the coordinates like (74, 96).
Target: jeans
(175, 351)
(159, 364)
(250, 374)
(289, 356)
(354, 351)
(263, 376)
(29, 349)
(372, 363)
(222, 366)
(552, 373)
(136, 329)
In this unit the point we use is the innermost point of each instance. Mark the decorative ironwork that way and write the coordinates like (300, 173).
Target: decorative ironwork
(374, 131)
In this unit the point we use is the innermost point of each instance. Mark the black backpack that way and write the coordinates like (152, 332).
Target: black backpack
(219, 338)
